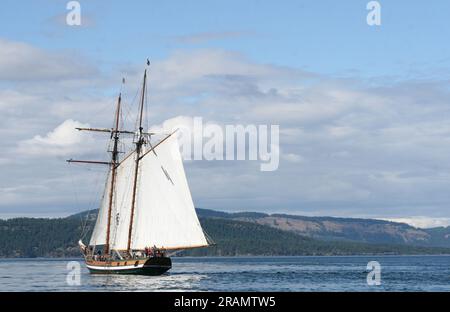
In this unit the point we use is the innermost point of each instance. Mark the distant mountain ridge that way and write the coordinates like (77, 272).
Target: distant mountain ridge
(342, 229)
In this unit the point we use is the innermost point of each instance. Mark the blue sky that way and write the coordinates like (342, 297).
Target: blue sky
(322, 36)
(363, 110)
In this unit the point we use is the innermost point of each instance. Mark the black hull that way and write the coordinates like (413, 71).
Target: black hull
(152, 267)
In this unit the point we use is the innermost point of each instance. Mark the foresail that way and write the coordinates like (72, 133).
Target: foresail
(165, 213)
(121, 211)
(99, 234)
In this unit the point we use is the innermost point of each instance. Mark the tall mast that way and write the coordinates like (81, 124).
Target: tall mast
(139, 143)
(114, 161)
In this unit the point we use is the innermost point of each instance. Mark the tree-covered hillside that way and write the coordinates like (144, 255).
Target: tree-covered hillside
(29, 237)
(244, 238)
(343, 229)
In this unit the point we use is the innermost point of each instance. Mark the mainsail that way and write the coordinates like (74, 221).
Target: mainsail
(165, 213)
(165, 216)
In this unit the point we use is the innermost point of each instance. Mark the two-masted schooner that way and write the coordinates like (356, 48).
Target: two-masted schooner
(147, 211)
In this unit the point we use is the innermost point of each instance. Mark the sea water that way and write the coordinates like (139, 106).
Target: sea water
(397, 273)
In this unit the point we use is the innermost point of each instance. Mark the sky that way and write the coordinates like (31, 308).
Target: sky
(363, 110)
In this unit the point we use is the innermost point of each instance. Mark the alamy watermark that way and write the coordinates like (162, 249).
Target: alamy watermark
(211, 141)
(73, 277)
(374, 276)
(374, 16)
(73, 17)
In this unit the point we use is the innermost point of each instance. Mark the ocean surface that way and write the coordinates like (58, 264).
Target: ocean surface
(397, 273)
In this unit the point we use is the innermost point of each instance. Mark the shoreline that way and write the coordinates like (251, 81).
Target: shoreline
(247, 256)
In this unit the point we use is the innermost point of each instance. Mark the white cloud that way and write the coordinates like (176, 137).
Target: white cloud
(62, 141)
(370, 151)
(340, 131)
(209, 36)
(291, 157)
(21, 61)
(213, 68)
(422, 222)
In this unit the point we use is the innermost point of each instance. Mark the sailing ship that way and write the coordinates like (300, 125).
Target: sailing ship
(146, 213)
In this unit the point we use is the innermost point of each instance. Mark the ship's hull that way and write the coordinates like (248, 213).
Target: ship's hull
(149, 266)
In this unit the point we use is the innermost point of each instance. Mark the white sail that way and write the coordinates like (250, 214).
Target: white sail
(121, 208)
(123, 193)
(165, 216)
(99, 234)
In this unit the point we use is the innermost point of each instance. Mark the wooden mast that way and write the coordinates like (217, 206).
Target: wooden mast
(139, 143)
(114, 161)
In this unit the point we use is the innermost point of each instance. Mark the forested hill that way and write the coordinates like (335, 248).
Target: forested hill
(234, 234)
(342, 229)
